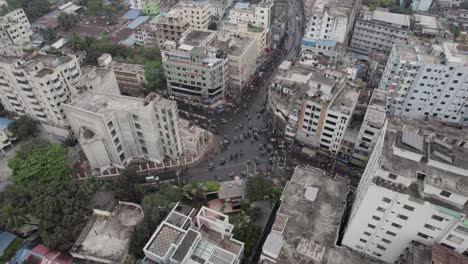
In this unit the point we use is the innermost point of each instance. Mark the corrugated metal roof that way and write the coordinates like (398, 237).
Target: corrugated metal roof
(137, 22)
(5, 240)
(4, 122)
(132, 14)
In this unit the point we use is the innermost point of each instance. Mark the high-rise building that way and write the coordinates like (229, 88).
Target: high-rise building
(169, 26)
(37, 84)
(114, 129)
(197, 14)
(259, 15)
(193, 70)
(428, 82)
(379, 30)
(15, 29)
(371, 127)
(414, 189)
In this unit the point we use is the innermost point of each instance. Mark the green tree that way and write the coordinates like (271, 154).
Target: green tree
(67, 21)
(154, 75)
(36, 8)
(24, 128)
(258, 188)
(212, 186)
(39, 163)
(13, 217)
(195, 191)
(127, 187)
(62, 210)
(455, 30)
(47, 33)
(94, 7)
(213, 26)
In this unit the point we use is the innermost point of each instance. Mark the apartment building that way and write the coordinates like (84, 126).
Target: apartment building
(113, 129)
(6, 137)
(330, 20)
(194, 71)
(130, 76)
(427, 82)
(196, 14)
(219, 8)
(37, 84)
(244, 29)
(371, 127)
(15, 29)
(412, 190)
(152, 7)
(259, 15)
(326, 113)
(242, 53)
(379, 30)
(446, 4)
(186, 236)
(307, 223)
(169, 26)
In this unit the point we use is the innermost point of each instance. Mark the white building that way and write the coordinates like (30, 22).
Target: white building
(379, 30)
(114, 130)
(193, 70)
(326, 113)
(414, 188)
(371, 127)
(36, 85)
(428, 82)
(243, 29)
(6, 138)
(219, 8)
(197, 14)
(15, 29)
(259, 15)
(187, 237)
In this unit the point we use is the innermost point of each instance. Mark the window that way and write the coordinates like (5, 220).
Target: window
(139, 134)
(145, 150)
(438, 218)
(135, 117)
(376, 218)
(110, 124)
(404, 217)
(116, 141)
(455, 239)
(376, 254)
(362, 240)
(390, 233)
(380, 209)
(371, 226)
(392, 176)
(396, 225)
(430, 227)
(386, 241)
(367, 233)
(137, 126)
(122, 157)
(445, 194)
(462, 230)
(386, 200)
(423, 235)
(381, 247)
(409, 208)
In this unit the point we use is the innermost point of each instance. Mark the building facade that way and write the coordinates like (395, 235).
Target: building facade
(195, 72)
(169, 26)
(412, 190)
(114, 130)
(15, 29)
(196, 14)
(379, 30)
(371, 127)
(37, 84)
(259, 15)
(423, 82)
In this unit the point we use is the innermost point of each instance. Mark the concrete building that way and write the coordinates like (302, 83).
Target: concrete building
(193, 138)
(420, 5)
(427, 82)
(219, 8)
(371, 127)
(6, 138)
(259, 15)
(130, 76)
(36, 85)
(194, 71)
(242, 53)
(379, 30)
(306, 228)
(414, 188)
(446, 4)
(169, 26)
(186, 237)
(326, 112)
(106, 236)
(430, 29)
(330, 20)
(243, 29)
(15, 29)
(114, 130)
(197, 14)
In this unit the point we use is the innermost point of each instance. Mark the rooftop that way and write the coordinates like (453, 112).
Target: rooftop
(393, 18)
(231, 189)
(453, 52)
(435, 149)
(426, 21)
(121, 66)
(196, 37)
(346, 98)
(314, 205)
(234, 46)
(107, 236)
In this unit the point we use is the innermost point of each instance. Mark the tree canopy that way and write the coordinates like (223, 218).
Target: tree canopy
(39, 162)
(24, 128)
(126, 186)
(33, 8)
(258, 188)
(67, 21)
